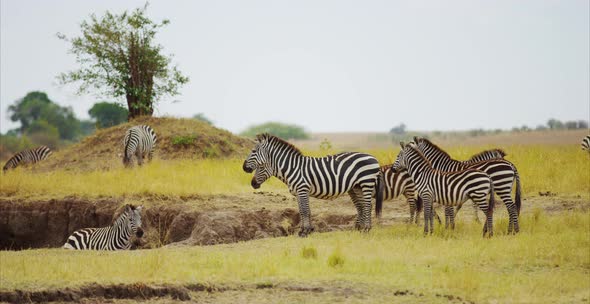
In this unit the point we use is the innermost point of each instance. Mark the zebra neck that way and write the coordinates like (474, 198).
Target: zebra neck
(286, 164)
(417, 167)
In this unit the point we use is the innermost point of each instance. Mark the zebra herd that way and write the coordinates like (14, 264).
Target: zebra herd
(423, 172)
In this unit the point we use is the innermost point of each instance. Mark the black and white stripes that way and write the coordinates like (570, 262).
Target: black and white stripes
(139, 141)
(586, 143)
(114, 237)
(324, 177)
(502, 172)
(26, 157)
(446, 188)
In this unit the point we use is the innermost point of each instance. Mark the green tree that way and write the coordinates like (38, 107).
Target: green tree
(28, 109)
(43, 133)
(108, 114)
(284, 131)
(118, 57)
(203, 118)
(36, 106)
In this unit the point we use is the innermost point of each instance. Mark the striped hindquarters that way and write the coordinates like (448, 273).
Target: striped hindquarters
(396, 183)
(29, 156)
(334, 175)
(586, 143)
(139, 140)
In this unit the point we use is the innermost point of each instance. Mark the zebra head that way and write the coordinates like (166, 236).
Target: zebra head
(134, 216)
(257, 161)
(400, 163)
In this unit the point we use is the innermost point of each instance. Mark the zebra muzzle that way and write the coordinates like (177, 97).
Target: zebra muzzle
(255, 185)
(247, 169)
(139, 232)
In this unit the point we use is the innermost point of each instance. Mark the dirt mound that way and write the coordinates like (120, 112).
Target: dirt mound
(48, 223)
(177, 138)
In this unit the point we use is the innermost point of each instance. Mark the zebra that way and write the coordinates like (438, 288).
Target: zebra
(397, 183)
(139, 141)
(401, 183)
(586, 143)
(114, 237)
(321, 177)
(29, 156)
(446, 188)
(502, 172)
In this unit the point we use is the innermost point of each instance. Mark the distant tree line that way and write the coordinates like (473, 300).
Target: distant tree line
(284, 131)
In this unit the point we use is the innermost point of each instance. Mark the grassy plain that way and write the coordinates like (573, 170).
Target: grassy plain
(560, 169)
(548, 262)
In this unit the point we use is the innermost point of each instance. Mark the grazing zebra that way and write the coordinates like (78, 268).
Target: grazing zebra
(320, 177)
(586, 143)
(114, 237)
(139, 141)
(397, 183)
(502, 172)
(446, 188)
(25, 157)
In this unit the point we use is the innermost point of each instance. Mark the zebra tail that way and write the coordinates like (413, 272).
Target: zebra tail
(379, 195)
(491, 203)
(517, 196)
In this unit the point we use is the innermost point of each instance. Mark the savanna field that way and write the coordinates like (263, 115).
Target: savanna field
(547, 262)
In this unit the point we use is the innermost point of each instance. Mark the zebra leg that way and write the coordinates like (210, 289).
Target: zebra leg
(367, 193)
(427, 214)
(304, 214)
(475, 207)
(357, 204)
(413, 211)
(512, 212)
(449, 217)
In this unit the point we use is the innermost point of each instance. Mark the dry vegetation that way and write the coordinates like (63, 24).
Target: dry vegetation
(549, 261)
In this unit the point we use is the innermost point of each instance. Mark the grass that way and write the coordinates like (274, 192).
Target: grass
(554, 168)
(548, 261)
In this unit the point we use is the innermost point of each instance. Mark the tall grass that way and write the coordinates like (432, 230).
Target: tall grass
(548, 261)
(558, 169)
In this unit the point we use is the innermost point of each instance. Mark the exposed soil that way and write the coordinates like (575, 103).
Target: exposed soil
(207, 220)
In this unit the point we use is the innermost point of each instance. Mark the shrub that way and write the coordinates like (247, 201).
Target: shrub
(309, 252)
(336, 259)
(183, 140)
(284, 131)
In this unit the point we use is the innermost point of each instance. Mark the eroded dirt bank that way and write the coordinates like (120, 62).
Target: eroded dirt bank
(204, 220)
(47, 223)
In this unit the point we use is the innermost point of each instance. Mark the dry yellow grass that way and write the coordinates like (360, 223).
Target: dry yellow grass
(549, 261)
(564, 170)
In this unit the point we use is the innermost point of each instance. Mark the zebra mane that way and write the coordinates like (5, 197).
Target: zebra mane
(433, 146)
(276, 140)
(121, 212)
(494, 151)
(420, 154)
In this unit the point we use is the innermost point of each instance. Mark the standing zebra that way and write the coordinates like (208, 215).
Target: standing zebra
(586, 143)
(25, 157)
(139, 141)
(321, 177)
(502, 172)
(114, 237)
(446, 188)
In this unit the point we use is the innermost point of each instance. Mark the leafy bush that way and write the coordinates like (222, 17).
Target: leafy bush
(183, 140)
(309, 252)
(336, 259)
(284, 131)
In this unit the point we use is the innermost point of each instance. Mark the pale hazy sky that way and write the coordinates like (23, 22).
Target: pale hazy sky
(333, 65)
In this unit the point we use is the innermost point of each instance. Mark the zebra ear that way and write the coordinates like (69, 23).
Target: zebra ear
(139, 208)
(402, 144)
(416, 139)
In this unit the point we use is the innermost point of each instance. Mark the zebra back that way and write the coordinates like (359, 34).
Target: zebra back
(485, 155)
(29, 156)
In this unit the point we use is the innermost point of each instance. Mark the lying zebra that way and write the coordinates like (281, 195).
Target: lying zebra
(26, 157)
(321, 177)
(447, 188)
(114, 237)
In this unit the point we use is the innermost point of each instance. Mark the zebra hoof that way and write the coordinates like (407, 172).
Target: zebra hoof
(304, 232)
